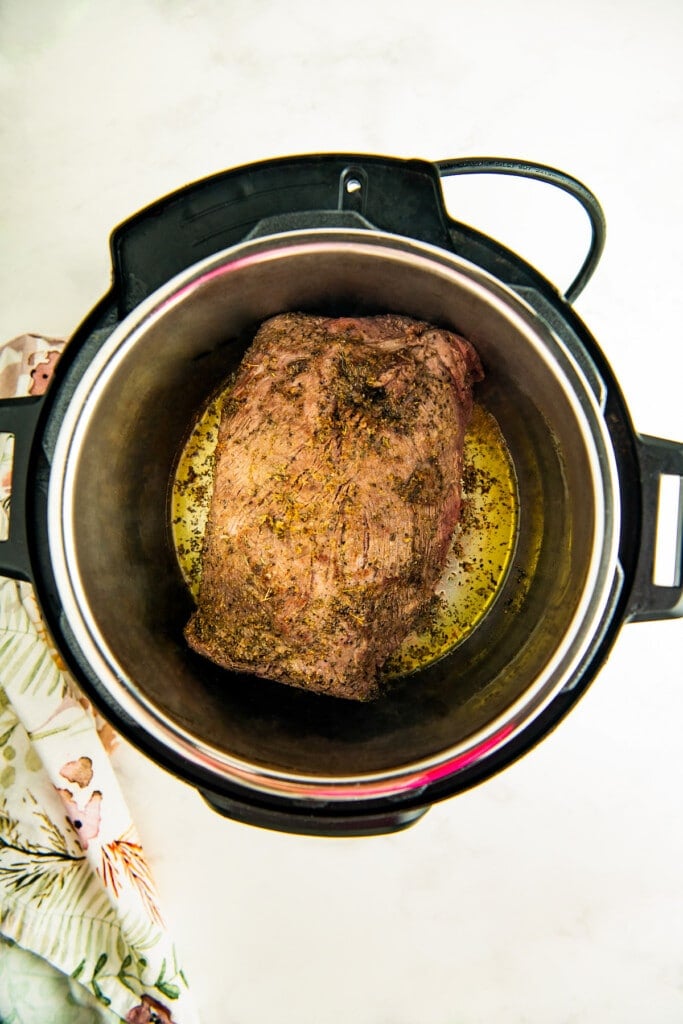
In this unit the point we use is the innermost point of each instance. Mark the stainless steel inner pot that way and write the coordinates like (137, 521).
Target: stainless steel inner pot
(122, 591)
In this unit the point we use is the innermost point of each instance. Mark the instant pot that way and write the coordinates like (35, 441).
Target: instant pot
(193, 276)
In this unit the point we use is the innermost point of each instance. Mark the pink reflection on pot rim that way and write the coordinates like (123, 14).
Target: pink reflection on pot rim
(410, 783)
(226, 268)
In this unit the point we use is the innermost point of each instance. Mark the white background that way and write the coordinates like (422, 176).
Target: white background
(553, 894)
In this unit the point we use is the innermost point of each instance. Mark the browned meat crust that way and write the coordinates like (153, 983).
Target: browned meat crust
(336, 493)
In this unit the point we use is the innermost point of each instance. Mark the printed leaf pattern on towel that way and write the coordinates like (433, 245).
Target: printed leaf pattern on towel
(124, 859)
(34, 870)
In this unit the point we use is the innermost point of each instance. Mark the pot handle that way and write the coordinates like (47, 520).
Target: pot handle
(658, 458)
(18, 417)
(312, 823)
(551, 176)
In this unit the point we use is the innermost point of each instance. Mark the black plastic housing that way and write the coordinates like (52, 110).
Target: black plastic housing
(376, 193)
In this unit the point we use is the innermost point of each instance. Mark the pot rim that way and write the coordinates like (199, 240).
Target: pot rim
(600, 589)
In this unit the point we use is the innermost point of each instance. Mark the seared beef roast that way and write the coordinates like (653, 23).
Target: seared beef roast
(336, 493)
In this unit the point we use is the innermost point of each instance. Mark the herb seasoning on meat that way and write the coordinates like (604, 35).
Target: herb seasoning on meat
(336, 493)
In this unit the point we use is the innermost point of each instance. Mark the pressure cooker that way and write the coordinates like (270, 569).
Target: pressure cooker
(194, 274)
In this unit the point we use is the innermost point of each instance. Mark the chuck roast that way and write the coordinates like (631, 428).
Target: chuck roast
(336, 494)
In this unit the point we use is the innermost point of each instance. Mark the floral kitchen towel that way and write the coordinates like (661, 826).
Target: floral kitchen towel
(80, 920)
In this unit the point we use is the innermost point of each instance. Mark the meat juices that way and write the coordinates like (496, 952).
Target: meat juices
(336, 494)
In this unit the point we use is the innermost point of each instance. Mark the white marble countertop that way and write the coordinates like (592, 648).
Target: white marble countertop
(554, 892)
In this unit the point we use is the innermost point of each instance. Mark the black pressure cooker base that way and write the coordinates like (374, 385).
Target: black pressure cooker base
(370, 193)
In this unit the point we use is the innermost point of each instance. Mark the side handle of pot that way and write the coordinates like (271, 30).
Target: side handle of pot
(18, 418)
(314, 822)
(649, 600)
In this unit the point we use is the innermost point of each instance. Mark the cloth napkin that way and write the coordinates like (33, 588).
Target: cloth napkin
(82, 935)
